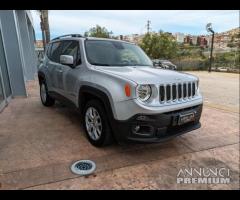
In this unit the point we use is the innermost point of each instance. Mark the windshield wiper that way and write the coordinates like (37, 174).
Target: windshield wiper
(139, 65)
(118, 65)
(100, 64)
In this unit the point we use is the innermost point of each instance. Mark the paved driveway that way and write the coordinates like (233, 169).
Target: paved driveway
(220, 90)
(38, 145)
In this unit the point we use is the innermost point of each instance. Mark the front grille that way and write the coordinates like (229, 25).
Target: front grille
(184, 90)
(189, 90)
(193, 89)
(168, 92)
(177, 91)
(174, 92)
(162, 93)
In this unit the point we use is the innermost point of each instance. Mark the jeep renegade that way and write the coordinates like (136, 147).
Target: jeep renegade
(119, 93)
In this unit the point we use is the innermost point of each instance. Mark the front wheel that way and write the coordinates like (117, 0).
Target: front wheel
(96, 124)
(45, 98)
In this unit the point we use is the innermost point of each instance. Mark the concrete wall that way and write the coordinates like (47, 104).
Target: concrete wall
(18, 39)
(32, 39)
(27, 40)
(13, 52)
(25, 44)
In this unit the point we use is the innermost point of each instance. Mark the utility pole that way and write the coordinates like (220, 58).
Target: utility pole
(44, 27)
(210, 66)
(148, 25)
(209, 29)
(43, 34)
(235, 58)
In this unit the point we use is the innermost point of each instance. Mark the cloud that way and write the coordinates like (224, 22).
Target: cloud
(134, 21)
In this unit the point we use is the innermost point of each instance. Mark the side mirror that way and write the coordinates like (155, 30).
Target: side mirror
(66, 60)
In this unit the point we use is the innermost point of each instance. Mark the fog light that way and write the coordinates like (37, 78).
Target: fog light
(143, 130)
(142, 118)
(135, 128)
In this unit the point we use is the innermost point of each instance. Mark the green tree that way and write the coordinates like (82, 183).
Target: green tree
(98, 31)
(159, 45)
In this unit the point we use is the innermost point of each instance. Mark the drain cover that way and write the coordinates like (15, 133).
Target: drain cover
(83, 167)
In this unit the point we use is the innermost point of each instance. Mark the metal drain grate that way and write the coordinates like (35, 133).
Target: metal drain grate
(83, 167)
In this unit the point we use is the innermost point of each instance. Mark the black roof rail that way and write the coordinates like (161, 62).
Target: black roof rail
(68, 35)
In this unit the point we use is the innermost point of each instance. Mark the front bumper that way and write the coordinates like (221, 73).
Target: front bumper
(124, 110)
(155, 127)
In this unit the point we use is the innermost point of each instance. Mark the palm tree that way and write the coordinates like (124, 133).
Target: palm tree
(44, 26)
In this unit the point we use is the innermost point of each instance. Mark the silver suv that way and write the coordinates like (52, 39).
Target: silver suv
(119, 93)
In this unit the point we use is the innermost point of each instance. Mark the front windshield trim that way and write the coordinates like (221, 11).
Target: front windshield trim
(107, 65)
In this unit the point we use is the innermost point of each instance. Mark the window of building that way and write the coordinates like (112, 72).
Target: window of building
(1, 91)
(4, 69)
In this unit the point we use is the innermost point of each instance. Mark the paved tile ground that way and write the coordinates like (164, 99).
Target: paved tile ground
(220, 90)
(38, 145)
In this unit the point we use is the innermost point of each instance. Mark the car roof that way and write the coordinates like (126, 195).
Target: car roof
(107, 39)
(164, 60)
(89, 38)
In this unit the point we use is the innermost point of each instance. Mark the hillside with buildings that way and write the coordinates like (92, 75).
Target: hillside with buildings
(194, 50)
(223, 40)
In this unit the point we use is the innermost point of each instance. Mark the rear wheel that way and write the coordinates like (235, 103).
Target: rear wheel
(96, 124)
(45, 98)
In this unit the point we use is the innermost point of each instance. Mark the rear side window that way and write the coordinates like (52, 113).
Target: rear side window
(55, 52)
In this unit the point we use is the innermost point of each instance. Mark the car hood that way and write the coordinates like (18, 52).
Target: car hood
(148, 75)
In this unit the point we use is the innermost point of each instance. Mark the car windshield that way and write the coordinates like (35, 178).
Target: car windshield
(115, 53)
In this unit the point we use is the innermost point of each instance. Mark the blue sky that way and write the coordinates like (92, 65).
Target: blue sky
(124, 22)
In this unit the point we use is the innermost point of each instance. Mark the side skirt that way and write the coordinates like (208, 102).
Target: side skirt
(62, 99)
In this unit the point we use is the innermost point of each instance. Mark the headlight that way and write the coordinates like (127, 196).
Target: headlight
(143, 92)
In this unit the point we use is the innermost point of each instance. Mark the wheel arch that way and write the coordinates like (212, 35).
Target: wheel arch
(88, 92)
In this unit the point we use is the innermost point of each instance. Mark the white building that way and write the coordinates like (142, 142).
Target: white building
(179, 37)
(135, 38)
(194, 40)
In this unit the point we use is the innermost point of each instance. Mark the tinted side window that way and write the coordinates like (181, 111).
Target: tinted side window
(79, 61)
(71, 48)
(49, 50)
(55, 52)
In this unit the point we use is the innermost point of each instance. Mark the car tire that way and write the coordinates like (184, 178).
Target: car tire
(45, 98)
(102, 135)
